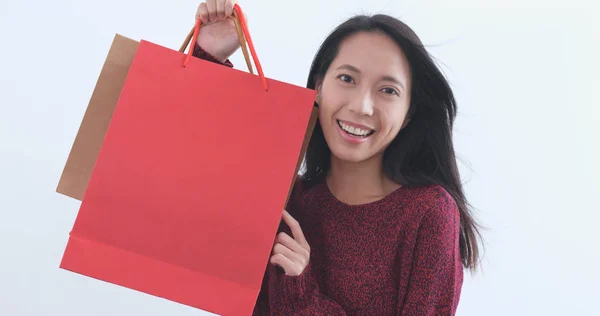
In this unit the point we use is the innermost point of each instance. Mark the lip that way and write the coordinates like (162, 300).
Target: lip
(353, 139)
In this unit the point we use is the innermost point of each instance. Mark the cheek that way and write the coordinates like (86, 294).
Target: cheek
(325, 114)
(392, 119)
(331, 101)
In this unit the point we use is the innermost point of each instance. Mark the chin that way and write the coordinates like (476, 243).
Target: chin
(355, 155)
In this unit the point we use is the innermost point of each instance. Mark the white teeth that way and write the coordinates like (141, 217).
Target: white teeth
(353, 130)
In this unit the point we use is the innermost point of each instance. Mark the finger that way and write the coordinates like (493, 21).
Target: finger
(245, 17)
(220, 5)
(212, 10)
(229, 7)
(202, 13)
(295, 228)
(291, 243)
(285, 263)
(286, 252)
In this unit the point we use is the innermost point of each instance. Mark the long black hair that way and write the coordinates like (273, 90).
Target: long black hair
(422, 153)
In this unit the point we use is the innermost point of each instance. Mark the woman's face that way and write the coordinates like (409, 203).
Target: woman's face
(364, 97)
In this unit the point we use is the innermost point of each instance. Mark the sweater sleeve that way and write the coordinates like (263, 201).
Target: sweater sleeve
(293, 295)
(436, 275)
(202, 54)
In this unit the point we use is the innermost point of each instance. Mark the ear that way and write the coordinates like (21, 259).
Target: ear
(318, 86)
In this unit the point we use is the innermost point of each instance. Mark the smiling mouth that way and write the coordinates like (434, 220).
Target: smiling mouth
(355, 131)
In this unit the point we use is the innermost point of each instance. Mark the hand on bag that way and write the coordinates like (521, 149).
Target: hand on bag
(218, 35)
(291, 254)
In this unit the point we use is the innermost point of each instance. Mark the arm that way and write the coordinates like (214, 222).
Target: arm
(436, 275)
(295, 295)
(289, 287)
(202, 54)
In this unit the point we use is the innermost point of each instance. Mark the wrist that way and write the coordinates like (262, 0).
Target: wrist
(209, 46)
(300, 284)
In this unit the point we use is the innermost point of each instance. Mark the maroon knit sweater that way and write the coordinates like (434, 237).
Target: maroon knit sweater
(396, 256)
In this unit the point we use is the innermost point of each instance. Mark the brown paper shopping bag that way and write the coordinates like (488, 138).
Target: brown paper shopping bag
(79, 166)
(84, 152)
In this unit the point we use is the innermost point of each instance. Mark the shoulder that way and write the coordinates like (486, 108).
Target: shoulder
(434, 196)
(304, 185)
(299, 190)
(300, 185)
(434, 205)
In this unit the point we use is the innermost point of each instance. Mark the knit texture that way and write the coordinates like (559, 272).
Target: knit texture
(396, 256)
(202, 54)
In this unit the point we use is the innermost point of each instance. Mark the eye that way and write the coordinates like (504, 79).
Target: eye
(346, 78)
(390, 91)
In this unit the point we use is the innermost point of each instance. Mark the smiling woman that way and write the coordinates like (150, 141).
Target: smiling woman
(378, 223)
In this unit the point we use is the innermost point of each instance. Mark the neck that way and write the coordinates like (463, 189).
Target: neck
(359, 182)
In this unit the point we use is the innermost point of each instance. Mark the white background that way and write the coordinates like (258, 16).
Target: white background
(525, 75)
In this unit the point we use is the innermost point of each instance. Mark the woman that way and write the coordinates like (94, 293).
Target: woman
(378, 223)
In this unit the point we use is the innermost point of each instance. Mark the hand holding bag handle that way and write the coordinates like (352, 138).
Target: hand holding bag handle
(240, 21)
(241, 37)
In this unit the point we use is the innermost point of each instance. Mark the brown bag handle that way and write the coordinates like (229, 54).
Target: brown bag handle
(241, 37)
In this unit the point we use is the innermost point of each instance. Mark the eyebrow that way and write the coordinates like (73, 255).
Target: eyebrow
(385, 78)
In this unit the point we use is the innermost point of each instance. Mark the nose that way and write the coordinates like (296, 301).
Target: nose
(362, 104)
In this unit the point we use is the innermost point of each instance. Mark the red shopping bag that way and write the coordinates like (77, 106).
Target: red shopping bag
(189, 186)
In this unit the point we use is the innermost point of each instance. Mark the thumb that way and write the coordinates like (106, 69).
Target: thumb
(243, 16)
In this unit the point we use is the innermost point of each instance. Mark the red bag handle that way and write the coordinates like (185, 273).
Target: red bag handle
(242, 20)
(241, 38)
